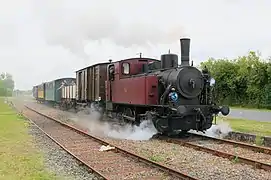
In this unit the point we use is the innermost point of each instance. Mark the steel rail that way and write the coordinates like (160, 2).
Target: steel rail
(256, 148)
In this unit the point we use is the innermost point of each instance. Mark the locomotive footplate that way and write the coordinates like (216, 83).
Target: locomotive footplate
(174, 123)
(185, 118)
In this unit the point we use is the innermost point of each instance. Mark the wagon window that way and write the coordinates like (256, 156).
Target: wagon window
(126, 68)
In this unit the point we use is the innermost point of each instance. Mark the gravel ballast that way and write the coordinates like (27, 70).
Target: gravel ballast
(195, 163)
(238, 151)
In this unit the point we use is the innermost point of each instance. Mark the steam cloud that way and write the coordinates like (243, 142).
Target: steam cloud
(220, 130)
(72, 24)
(89, 118)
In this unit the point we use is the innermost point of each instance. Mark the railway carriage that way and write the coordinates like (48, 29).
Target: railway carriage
(53, 90)
(90, 84)
(41, 93)
(35, 92)
(68, 96)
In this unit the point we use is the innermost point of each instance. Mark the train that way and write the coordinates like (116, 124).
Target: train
(176, 98)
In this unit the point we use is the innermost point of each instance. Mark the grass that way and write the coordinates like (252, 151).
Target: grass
(156, 158)
(18, 157)
(248, 126)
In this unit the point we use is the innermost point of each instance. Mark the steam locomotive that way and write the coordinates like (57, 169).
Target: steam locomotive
(176, 98)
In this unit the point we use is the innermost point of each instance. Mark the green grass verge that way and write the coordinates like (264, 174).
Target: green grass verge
(18, 157)
(248, 126)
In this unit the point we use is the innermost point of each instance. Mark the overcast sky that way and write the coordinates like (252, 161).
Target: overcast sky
(41, 40)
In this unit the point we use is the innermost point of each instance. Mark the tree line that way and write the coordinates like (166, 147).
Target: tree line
(6, 84)
(244, 81)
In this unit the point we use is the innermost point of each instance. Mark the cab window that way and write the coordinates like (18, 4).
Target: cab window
(126, 68)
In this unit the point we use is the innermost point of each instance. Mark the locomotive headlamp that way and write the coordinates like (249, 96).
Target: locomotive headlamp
(173, 89)
(212, 82)
(173, 96)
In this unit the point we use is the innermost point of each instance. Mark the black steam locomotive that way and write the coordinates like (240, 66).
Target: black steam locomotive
(185, 95)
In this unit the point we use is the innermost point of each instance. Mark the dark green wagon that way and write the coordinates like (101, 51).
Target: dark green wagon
(53, 89)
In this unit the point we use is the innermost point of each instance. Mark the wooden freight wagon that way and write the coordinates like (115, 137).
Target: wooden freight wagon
(69, 92)
(53, 90)
(68, 96)
(90, 83)
(41, 92)
(35, 92)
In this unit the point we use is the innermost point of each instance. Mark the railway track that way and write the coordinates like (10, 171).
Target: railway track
(257, 156)
(113, 164)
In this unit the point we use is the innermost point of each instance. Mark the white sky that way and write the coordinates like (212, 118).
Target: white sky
(41, 40)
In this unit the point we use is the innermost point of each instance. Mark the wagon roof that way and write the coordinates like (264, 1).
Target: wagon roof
(139, 58)
(39, 84)
(92, 66)
(116, 61)
(60, 79)
(64, 78)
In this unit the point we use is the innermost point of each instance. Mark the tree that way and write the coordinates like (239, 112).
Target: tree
(244, 81)
(6, 84)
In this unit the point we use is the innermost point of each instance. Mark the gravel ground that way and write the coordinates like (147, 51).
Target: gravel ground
(195, 163)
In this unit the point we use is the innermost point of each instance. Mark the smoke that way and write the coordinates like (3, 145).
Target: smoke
(220, 130)
(73, 24)
(90, 119)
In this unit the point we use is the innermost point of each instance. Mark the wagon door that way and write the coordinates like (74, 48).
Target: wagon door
(85, 84)
(89, 84)
(73, 91)
(102, 79)
(82, 85)
(97, 82)
(92, 83)
(78, 85)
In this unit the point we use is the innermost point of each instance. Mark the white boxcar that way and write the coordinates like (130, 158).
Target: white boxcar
(68, 92)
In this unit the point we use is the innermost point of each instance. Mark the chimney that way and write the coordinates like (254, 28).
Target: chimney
(185, 51)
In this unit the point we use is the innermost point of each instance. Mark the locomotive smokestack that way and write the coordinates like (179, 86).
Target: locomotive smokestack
(185, 51)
